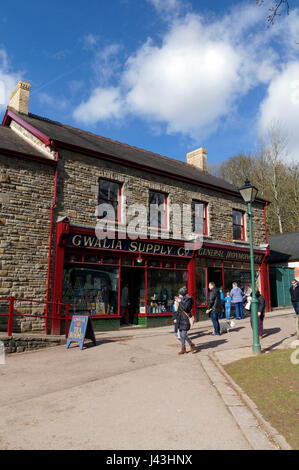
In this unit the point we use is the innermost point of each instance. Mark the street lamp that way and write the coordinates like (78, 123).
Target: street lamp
(249, 192)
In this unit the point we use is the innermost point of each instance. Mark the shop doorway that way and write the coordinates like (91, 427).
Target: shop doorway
(215, 275)
(132, 294)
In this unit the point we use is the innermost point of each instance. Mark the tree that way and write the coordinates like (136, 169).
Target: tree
(276, 9)
(277, 181)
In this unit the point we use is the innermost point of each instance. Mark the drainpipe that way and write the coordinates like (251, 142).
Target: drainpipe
(51, 234)
(267, 255)
(265, 220)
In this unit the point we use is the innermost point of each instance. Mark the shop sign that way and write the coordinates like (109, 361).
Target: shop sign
(132, 246)
(231, 255)
(80, 329)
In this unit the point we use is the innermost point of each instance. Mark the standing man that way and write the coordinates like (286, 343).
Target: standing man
(214, 307)
(294, 292)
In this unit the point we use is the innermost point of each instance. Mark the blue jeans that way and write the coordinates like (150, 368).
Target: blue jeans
(296, 307)
(214, 318)
(239, 310)
(184, 337)
(227, 312)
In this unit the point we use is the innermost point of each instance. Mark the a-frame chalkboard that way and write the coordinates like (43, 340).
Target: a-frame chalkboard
(80, 329)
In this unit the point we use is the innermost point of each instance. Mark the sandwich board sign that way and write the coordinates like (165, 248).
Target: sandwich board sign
(80, 329)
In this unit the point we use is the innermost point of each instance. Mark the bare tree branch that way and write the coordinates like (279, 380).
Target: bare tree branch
(276, 9)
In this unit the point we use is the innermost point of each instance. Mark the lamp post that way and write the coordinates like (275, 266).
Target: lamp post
(249, 192)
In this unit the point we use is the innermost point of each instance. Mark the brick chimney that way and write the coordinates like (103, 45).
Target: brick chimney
(198, 158)
(19, 97)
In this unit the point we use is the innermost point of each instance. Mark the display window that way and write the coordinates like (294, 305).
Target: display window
(162, 287)
(91, 290)
(201, 286)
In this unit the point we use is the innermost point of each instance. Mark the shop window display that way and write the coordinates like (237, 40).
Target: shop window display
(201, 292)
(240, 276)
(91, 291)
(163, 285)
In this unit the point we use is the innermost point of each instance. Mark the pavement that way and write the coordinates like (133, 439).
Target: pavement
(132, 391)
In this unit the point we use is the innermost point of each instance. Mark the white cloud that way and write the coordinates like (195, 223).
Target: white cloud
(171, 8)
(196, 77)
(282, 105)
(8, 79)
(104, 103)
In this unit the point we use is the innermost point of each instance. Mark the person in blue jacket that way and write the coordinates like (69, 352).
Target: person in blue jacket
(221, 314)
(228, 304)
(237, 299)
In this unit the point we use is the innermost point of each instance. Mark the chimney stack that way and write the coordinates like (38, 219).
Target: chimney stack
(198, 158)
(19, 97)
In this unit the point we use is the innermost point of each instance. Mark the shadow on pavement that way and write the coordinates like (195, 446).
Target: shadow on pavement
(209, 345)
(271, 331)
(273, 346)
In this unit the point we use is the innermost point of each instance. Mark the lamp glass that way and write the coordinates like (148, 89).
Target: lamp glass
(248, 192)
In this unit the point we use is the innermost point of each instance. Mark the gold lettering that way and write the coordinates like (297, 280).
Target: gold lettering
(105, 244)
(156, 248)
(149, 247)
(118, 245)
(169, 249)
(133, 245)
(74, 240)
(88, 241)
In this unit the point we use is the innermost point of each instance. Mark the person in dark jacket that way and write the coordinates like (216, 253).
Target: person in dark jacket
(181, 318)
(260, 312)
(294, 293)
(214, 307)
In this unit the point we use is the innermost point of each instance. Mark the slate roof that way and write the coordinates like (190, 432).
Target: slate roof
(284, 247)
(62, 133)
(11, 141)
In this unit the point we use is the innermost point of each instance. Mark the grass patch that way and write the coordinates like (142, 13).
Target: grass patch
(272, 382)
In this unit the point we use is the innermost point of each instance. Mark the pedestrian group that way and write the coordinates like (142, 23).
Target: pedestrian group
(217, 306)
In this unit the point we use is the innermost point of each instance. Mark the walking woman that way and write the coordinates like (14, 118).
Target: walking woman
(182, 319)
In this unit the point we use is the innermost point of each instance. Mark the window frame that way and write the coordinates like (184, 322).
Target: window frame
(205, 215)
(118, 201)
(165, 218)
(238, 225)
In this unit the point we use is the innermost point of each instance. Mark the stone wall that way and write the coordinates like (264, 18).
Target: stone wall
(26, 189)
(26, 195)
(79, 195)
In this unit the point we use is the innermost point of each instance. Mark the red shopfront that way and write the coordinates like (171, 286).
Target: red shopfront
(90, 275)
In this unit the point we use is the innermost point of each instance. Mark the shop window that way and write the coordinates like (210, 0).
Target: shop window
(153, 263)
(163, 285)
(199, 211)
(110, 260)
(73, 258)
(241, 277)
(126, 261)
(181, 264)
(168, 264)
(201, 287)
(92, 259)
(158, 209)
(238, 225)
(109, 193)
(91, 291)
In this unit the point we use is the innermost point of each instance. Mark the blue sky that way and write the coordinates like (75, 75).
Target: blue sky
(165, 75)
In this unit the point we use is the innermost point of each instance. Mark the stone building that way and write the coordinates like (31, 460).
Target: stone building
(54, 180)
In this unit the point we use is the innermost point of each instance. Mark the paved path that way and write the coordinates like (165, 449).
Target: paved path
(132, 391)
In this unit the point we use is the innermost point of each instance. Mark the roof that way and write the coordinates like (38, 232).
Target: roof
(284, 247)
(10, 141)
(63, 134)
